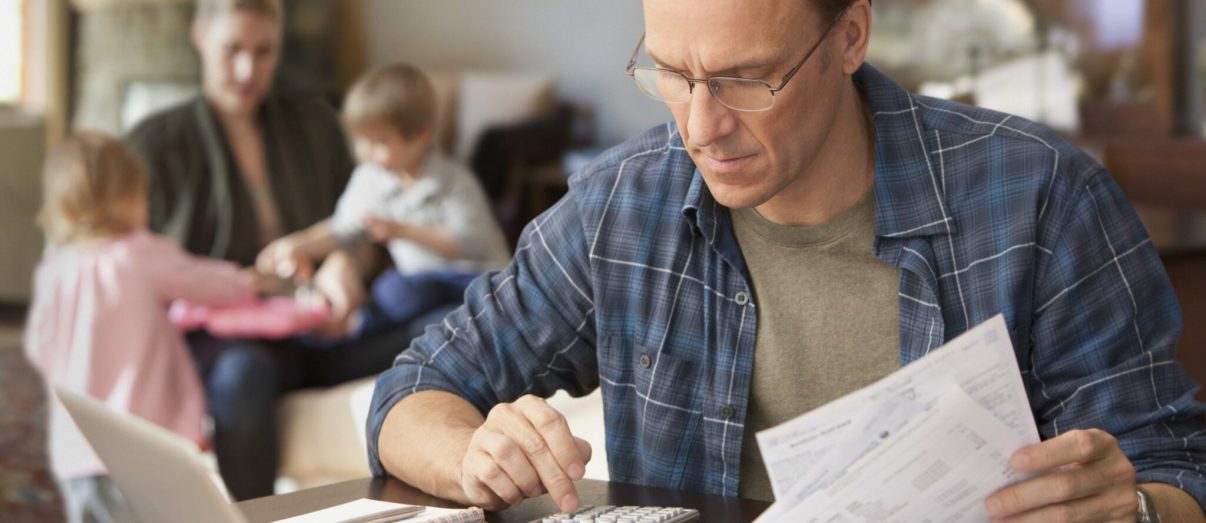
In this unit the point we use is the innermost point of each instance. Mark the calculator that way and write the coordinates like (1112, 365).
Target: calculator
(628, 514)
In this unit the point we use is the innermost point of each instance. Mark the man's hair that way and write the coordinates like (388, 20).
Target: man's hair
(398, 95)
(208, 9)
(91, 187)
(830, 9)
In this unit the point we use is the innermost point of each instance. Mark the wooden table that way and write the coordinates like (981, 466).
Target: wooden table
(593, 492)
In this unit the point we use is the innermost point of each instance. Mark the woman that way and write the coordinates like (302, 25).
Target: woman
(237, 167)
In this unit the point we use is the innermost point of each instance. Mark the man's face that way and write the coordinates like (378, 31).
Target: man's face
(239, 52)
(746, 158)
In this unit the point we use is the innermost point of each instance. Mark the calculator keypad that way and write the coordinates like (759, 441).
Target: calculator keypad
(627, 514)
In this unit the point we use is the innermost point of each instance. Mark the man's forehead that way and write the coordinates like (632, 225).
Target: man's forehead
(715, 14)
(726, 32)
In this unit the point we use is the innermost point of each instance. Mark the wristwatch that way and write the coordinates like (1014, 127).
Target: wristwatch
(1147, 508)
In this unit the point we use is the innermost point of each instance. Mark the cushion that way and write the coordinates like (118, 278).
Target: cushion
(445, 84)
(492, 99)
(322, 433)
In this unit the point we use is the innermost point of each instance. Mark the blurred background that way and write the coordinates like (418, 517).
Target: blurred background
(1124, 78)
(531, 89)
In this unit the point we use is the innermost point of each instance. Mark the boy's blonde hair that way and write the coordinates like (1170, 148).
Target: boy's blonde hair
(92, 187)
(398, 95)
(208, 9)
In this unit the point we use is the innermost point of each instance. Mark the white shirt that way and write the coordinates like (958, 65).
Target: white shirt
(445, 195)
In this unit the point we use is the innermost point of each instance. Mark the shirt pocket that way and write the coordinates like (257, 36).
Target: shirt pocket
(659, 414)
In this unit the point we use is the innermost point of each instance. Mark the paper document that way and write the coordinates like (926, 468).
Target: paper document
(373, 511)
(935, 435)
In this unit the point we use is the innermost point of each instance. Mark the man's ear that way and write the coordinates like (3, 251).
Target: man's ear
(856, 34)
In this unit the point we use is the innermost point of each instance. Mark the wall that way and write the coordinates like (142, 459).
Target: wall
(22, 139)
(123, 43)
(586, 43)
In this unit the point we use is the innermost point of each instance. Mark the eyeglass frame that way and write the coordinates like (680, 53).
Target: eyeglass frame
(631, 69)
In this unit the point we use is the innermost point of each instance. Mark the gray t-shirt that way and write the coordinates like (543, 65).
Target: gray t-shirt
(445, 195)
(828, 320)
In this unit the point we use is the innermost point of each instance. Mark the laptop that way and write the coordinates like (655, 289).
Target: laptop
(161, 474)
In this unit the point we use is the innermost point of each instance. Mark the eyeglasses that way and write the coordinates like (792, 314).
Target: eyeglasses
(738, 94)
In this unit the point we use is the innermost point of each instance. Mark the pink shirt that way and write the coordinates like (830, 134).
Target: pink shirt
(98, 325)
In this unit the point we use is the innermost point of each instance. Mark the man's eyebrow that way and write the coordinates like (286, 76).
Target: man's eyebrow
(757, 65)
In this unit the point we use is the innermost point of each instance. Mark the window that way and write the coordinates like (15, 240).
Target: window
(12, 50)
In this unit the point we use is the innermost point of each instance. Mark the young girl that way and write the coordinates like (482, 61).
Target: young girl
(98, 322)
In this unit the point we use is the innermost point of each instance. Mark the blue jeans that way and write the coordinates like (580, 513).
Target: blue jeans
(244, 379)
(398, 299)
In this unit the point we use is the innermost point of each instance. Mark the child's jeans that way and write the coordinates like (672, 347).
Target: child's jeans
(397, 298)
(94, 499)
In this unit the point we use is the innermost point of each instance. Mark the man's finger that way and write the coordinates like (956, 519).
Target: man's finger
(508, 455)
(556, 434)
(1049, 489)
(479, 494)
(1077, 446)
(487, 470)
(530, 422)
(584, 449)
(1105, 508)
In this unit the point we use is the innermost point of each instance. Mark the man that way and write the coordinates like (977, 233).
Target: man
(801, 229)
(232, 170)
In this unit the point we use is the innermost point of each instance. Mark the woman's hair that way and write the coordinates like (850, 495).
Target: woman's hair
(398, 95)
(208, 9)
(92, 187)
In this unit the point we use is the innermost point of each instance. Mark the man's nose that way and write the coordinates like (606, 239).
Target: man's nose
(708, 120)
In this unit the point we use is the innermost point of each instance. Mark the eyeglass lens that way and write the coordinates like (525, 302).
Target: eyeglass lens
(734, 93)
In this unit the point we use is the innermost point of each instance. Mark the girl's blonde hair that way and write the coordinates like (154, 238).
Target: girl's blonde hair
(92, 187)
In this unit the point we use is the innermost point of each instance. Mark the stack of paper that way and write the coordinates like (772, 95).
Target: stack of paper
(373, 511)
(929, 442)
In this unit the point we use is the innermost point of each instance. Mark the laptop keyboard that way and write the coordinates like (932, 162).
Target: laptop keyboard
(628, 514)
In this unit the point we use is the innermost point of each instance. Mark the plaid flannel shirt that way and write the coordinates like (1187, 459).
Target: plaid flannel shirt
(634, 283)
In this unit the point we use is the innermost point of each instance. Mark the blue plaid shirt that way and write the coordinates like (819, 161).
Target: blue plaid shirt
(634, 283)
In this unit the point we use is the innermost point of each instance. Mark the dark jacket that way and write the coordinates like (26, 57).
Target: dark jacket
(197, 195)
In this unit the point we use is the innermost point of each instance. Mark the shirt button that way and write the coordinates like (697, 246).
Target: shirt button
(742, 298)
(645, 361)
(726, 412)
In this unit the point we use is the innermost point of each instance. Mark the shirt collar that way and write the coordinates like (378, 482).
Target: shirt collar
(908, 196)
(908, 199)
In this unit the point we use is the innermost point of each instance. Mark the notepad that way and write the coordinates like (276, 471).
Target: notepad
(366, 510)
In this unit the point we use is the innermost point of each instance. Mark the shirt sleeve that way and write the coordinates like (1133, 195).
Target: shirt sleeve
(178, 275)
(1103, 342)
(528, 329)
(345, 224)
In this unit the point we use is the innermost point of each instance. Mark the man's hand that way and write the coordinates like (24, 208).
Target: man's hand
(339, 282)
(1084, 477)
(381, 231)
(284, 257)
(523, 450)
